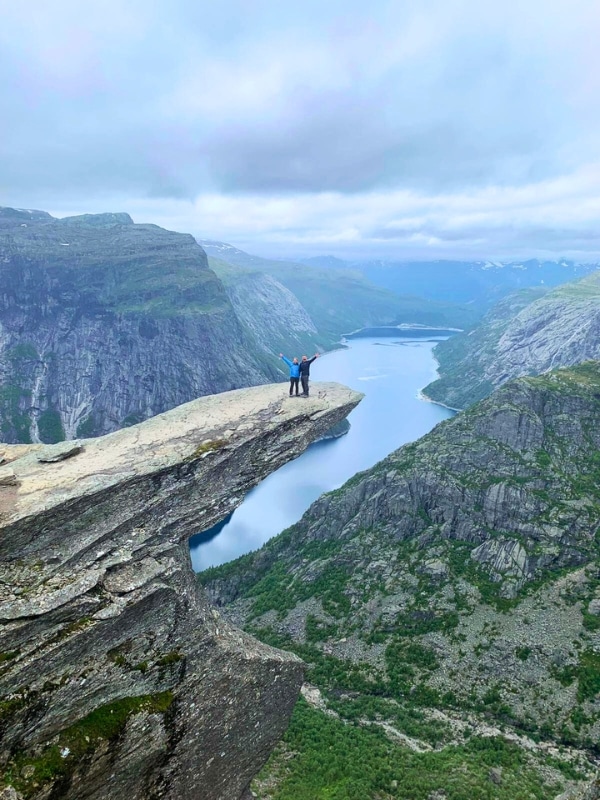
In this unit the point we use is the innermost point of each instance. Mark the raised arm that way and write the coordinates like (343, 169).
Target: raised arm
(310, 360)
(287, 361)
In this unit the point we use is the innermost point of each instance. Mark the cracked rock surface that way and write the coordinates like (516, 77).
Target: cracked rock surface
(117, 677)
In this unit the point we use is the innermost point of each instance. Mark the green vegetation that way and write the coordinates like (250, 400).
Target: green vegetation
(23, 350)
(207, 447)
(279, 591)
(586, 673)
(9, 706)
(176, 284)
(591, 622)
(71, 628)
(58, 761)
(8, 656)
(15, 419)
(523, 653)
(316, 630)
(119, 658)
(337, 761)
(87, 428)
(50, 426)
(174, 657)
(586, 288)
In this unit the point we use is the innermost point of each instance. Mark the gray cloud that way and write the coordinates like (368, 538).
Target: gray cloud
(157, 106)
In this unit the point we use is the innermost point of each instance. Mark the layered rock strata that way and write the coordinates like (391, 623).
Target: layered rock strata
(118, 679)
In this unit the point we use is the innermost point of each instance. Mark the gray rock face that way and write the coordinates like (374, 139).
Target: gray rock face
(104, 323)
(118, 679)
(523, 335)
(478, 542)
(262, 304)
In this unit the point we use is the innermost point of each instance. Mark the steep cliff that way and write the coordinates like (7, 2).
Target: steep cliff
(449, 596)
(104, 323)
(526, 334)
(118, 679)
(342, 301)
(274, 315)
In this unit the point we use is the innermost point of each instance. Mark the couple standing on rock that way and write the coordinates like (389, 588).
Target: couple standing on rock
(299, 371)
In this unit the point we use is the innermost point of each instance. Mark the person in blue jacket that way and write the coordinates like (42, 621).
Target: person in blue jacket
(294, 373)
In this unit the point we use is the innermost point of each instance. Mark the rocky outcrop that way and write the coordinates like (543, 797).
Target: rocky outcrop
(104, 323)
(118, 679)
(460, 574)
(525, 334)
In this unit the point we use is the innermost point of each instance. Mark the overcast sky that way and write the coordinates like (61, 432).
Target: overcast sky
(421, 129)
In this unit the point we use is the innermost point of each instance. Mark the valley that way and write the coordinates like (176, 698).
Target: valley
(452, 586)
(386, 587)
(389, 370)
(444, 597)
(527, 333)
(106, 322)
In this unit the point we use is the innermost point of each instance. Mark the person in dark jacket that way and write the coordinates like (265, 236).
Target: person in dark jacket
(294, 373)
(305, 372)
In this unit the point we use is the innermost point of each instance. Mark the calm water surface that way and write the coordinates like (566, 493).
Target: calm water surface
(390, 370)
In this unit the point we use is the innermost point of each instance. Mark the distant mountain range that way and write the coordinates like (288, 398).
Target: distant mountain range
(338, 300)
(478, 282)
(104, 322)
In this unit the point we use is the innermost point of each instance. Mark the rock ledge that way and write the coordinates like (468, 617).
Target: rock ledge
(101, 614)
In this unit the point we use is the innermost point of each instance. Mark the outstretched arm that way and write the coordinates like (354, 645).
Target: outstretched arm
(287, 361)
(310, 360)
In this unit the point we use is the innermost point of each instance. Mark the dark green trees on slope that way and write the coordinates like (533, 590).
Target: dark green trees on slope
(449, 594)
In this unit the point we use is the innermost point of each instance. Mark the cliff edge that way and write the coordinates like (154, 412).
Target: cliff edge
(117, 677)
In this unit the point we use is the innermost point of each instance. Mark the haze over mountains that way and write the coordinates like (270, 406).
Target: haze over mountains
(478, 282)
(527, 333)
(399, 165)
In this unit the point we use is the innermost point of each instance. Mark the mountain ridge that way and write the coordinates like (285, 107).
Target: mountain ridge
(456, 583)
(342, 301)
(527, 333)
(107, 322)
